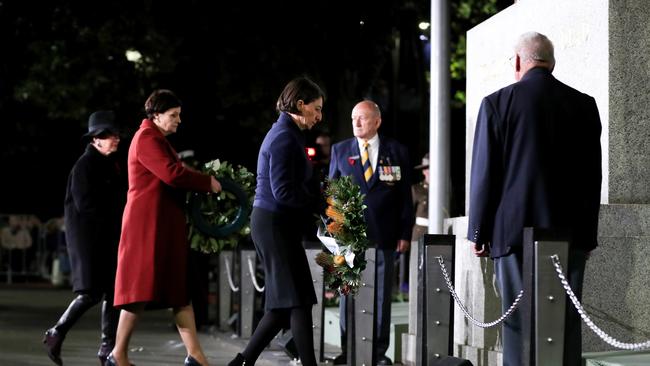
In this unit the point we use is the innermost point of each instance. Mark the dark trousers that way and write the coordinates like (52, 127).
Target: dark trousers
(385, 259)
(508, 270)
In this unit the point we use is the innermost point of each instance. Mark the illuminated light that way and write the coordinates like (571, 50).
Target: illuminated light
(133, 55)
(311, 152)
(423, 37)
(424, 25)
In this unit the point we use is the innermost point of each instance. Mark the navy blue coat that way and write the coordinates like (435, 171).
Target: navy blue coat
(536, 163)
(282, 214)
(389, 212)
(283, 170)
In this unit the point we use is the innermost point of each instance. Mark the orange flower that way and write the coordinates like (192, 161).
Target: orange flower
(330, 200)
(332, 212)
(334, 227)
(339, 260)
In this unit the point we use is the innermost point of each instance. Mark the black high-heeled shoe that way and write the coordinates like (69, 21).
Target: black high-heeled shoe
(102, 354)
(238, 361)
(191, 361)
(110, 360)
(53, 341)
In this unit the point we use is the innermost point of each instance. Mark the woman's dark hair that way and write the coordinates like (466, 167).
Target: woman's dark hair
(298, 89)
(160, 101)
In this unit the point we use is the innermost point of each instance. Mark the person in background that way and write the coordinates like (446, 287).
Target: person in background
(420, 193)
(380, 166)
(282, 205)
(93, 205)
(152, 267)
(536, 163)
(324, 143)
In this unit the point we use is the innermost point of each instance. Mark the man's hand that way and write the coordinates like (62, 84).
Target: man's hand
(403, 246)
(481, 250)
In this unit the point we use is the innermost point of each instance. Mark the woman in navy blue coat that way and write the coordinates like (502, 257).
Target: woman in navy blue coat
(282, 201)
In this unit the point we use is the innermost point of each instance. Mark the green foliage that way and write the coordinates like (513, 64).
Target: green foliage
(465, 14)
(347, 225)
(219, 209)
(75, 57)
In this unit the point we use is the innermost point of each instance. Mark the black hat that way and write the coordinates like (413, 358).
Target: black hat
(100, 122)
(425, 163)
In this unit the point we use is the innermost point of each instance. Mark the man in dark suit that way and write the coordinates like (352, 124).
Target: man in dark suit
(536, 163)
(380, 166)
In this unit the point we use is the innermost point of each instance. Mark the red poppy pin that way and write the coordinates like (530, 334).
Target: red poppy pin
(353, 159)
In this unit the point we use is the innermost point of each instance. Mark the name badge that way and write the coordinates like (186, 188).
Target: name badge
(390, 173)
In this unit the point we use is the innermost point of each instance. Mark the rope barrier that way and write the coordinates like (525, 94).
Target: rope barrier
(253, 278)
(229, 275)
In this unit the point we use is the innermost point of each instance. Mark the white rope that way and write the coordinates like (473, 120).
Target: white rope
(252, 273)
(229, 275)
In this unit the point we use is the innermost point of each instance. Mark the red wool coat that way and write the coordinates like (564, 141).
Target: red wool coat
(153, 251)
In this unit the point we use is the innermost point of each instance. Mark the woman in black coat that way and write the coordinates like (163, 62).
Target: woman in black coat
(93, 206)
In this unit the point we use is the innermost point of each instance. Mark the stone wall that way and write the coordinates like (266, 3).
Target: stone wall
(629, 95)
(602, 48)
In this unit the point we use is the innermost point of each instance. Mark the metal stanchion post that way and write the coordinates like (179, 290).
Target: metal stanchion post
(225, 292)
(436, 304)
(420, 346)
(364, 306)
(543, 304)
(318, 310)
(247, 293)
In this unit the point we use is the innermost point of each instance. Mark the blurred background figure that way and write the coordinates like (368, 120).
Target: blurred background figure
(420, 192)
(94, 201)
(324, 144)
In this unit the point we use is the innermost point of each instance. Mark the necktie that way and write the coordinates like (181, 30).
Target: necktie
(365, 162)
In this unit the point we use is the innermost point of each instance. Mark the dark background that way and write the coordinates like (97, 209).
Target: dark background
(228, 61)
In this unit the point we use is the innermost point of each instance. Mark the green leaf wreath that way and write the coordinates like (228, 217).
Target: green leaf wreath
(218, 210)
(345, 224)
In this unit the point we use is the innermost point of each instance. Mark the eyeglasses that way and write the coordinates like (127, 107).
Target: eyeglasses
(512, 60)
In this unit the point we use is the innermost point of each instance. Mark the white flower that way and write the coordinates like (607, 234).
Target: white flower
(214, 165)
(333, 246)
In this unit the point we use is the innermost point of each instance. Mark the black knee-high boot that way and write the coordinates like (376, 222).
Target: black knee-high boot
(110, 318)
(54, 336)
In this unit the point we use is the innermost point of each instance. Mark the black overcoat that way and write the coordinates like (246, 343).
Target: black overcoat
(94, 201)
(536, 163)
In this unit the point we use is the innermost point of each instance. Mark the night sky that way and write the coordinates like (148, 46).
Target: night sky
(227, 61)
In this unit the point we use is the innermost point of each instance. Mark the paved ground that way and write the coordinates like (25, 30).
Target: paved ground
(26, 311)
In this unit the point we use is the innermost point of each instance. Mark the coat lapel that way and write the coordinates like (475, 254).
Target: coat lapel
(357, 168)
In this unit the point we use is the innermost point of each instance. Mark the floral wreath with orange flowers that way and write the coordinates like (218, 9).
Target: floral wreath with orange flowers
(343, 233)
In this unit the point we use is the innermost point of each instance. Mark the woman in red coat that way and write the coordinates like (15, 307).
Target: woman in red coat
(153, 251)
